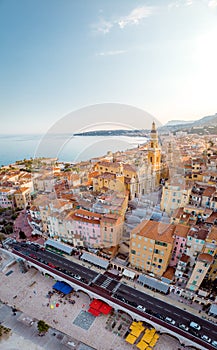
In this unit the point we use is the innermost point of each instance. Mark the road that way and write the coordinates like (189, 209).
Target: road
(110, 288)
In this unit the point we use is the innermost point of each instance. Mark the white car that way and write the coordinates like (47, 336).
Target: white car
(183, 326)
(77, 277)
(170, 320)
(141, 308)
(195, 325)
(206, 338)
(214, 343)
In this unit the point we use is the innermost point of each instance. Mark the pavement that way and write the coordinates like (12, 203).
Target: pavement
(28, 293)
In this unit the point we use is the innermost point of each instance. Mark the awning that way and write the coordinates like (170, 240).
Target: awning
(131, 339)
(95, 260)
(94, 312)
(153, 283)
(59, 245)
(100, 307)
(105, 309)
(213, 309)
(142, 345)
(129, 273)
(62, 287)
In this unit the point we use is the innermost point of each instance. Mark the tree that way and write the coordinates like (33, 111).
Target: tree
(2, 237)
(42, 327)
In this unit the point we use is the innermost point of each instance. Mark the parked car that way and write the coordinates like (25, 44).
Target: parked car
(206, 338)
(214, 343)
(170, 320)
(195, 325)
(184, 327)
(141, 308)
(51, 265)
(77, 277)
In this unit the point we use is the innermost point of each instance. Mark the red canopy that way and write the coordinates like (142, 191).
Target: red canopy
(98, 306)
(94, 312)
(105, 309)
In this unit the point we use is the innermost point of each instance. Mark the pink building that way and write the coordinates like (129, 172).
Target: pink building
(179, 246)
(87, 225)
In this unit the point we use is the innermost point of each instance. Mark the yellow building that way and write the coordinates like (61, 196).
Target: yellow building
(22, 197)
(108, 181)
(210, 247)
(174, 196)
(200, 270)
(151, 246)
(154, 152)
(139, 173)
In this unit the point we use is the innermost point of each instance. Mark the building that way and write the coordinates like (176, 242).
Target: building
(200, 270)
(6, 197)
(210, 247)
(195, 242)
(174, 196)
(22, 197)
(151, 246)
(139, 172)
(179, 246)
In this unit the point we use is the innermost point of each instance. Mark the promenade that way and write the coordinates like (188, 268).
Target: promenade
(28, 293)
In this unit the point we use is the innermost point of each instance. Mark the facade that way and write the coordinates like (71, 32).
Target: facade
(182, 266)
(195, 242)
(200, 270)
(6, 197)
(173, 197)
(22, 197)
(210, 247)
(138, 173)
(179, 246)
(151, 246)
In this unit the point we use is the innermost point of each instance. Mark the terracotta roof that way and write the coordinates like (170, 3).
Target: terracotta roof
(83, 212)
(212, 236)
(181, 230)
(205, 257)
(184, 258)
(209, 191)
(169, 273)
(211, 219)
(198, 233)
(155, 230)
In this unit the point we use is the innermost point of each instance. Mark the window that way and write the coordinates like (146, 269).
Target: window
(139, 245)
(133, 251)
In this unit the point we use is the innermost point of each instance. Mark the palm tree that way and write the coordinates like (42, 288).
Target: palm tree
(42, 327)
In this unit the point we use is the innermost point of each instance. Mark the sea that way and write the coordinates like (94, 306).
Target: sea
(65, 147)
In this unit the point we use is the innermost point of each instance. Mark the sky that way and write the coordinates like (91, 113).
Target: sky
(58, 56)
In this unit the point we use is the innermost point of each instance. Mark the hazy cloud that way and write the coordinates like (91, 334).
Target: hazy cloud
(134, 17)
(180, 3)
(111, 53)
(103, 26)
(212, 3)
